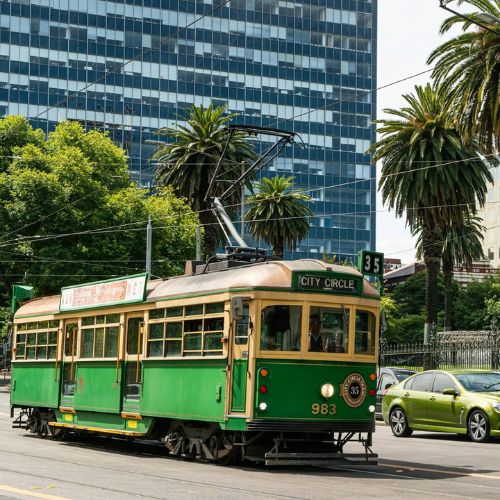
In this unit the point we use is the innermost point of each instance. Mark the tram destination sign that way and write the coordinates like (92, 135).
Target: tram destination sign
(344, 284)
(126, 290)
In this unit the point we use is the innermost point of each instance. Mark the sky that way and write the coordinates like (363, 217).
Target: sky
(408, 31)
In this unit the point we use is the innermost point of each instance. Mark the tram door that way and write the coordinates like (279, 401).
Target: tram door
(239, 369)
(133, 363)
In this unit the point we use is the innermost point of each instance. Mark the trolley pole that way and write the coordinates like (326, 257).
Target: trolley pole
(149, 237)
(198, 242)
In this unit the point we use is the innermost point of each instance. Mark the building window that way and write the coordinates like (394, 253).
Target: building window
(491, 253)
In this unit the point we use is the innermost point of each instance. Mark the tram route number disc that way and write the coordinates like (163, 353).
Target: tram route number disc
(354, 390)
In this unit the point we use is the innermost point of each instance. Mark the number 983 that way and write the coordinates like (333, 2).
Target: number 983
(324, 409)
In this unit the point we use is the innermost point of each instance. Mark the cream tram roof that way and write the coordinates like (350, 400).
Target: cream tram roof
(276, 275)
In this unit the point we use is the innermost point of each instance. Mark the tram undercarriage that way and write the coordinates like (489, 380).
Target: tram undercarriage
(208, 442)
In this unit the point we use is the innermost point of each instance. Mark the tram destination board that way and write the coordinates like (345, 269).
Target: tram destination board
(342, 284)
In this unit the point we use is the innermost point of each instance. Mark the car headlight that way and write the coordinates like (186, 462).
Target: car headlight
(496, 406)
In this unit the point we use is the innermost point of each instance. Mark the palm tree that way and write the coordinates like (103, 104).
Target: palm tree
(278, 215)
(188, 162)
(468, 67)
(413, 144)
(459, 245)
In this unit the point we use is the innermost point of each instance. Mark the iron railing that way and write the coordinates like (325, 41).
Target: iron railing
(446, 351)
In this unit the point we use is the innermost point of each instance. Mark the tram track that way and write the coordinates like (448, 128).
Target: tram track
(200, 484)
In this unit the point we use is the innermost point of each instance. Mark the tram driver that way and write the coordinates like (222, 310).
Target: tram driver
(318, 341)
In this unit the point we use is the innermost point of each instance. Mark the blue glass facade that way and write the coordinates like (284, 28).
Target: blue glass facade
(266, 60)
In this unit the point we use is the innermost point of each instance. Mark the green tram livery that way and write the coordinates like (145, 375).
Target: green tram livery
(219, 364)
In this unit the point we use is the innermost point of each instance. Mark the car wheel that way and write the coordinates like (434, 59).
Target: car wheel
(399, 423)
(479, 427)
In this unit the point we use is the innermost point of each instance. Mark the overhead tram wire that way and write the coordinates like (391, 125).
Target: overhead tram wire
(339, 214)
(108, 229)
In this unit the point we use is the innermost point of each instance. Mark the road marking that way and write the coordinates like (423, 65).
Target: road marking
(451, 473)
(30, 493)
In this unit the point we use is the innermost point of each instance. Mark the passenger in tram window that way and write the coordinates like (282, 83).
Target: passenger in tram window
(318, 341)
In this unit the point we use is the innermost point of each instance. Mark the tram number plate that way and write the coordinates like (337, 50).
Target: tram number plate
(324, 409)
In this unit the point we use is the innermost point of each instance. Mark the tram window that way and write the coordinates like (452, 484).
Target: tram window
(20, 345)
(99, 343)
(192, 344)
(173, 342)
(38, 344)
(214, 308)
(155, 341)
(174, 312)
(71, 339)
(194, 310)
(280, 328)
(328, 330)
(31, 346)
(88, 343)
(157, 314)
(365, 333)
(133, 327)
(68, 380)
(194, 325)
(242, 325)
(112, 318)
(88, 321)
(111, 342)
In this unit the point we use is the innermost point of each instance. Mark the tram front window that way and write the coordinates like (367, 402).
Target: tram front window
(280, 328)
(328, 330)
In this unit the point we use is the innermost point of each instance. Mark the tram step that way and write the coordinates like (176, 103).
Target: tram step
(322, 459)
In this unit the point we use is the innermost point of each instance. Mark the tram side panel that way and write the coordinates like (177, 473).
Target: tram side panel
(35, 384)
(185, 389)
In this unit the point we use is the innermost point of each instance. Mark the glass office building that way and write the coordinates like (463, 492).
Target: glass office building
(268, 61)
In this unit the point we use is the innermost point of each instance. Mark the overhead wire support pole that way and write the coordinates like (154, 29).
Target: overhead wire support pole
(149, 238)
(442, 4)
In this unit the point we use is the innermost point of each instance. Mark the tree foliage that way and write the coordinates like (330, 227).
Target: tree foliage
(278, 214)
(468, 69)
(188, 162)
(429, 174)
(57, 195)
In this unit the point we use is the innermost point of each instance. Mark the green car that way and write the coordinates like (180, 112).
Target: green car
(458, 401)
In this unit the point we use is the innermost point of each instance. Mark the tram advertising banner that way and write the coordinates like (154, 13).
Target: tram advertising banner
(127, 290)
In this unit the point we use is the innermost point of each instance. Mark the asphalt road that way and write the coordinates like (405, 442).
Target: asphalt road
(437, 466)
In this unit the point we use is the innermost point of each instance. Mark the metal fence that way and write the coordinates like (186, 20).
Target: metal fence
(448, 350)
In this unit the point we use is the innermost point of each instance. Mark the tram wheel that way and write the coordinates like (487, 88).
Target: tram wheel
(399, 423)
(58, 433)
(216, 445)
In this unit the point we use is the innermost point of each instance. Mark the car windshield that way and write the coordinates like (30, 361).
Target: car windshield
(480, 382)
(400, 376)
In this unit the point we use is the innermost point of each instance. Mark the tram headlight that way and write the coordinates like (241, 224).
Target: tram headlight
(327, 390)
(263, 406)
(371, 408)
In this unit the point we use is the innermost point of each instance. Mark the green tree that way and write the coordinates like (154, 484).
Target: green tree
(476, 304)
(461, 245)
(278, 214)
(55, 198)
(188, 163)
(419, 138)
(468, 68)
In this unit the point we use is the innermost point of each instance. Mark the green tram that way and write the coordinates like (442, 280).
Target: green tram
(217, 364)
